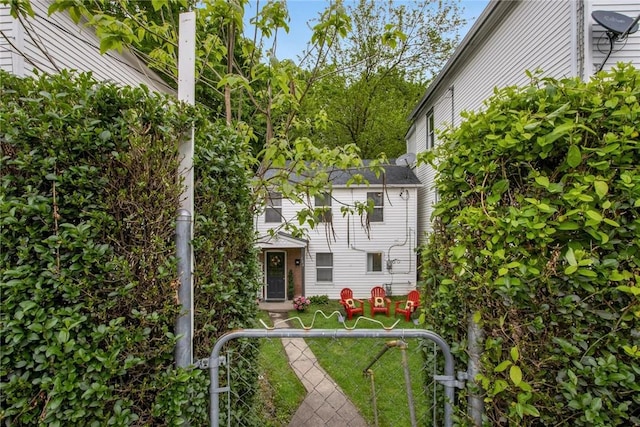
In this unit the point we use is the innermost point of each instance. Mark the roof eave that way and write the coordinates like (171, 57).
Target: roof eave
(482, 26)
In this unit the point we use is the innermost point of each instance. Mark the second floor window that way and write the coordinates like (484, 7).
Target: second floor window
(273, 212)
(323, 207)
(377, 198)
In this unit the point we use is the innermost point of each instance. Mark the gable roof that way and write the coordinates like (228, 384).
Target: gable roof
(393, 175)
(281, 240)
(52, 43)
(486, 22)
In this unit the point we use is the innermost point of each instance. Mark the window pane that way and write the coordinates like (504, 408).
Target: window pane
(323, 207)
(324, 259)
(324, 275)
(377, 198)
(275, 199)
(273, 212)
(430, 130)
(324, 267)
(322, 199)
(374, 261)
(377, 215)
(273, 215)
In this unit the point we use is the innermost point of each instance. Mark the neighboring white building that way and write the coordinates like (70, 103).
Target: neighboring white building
(561, 38)
(53, 43)
(339, 253)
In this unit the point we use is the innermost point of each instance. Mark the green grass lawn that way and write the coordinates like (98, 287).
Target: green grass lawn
(345, 360)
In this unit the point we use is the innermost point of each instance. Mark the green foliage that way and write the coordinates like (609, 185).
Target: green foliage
(88, 275)
(319, 299)
(537, 236)
(290, 285)
(227, 267)
(377, 73)
(369, 111)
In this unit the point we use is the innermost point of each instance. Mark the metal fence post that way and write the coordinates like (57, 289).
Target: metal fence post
(475, 401)
(184, 324)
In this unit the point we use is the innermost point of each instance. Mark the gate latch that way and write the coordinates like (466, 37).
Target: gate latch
(204, 363)
(449, 381)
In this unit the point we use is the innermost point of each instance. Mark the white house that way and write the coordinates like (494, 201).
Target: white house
(340, 252)
(561, 38)
(53, 43)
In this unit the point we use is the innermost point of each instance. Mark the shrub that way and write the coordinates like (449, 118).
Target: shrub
(290, 285)
(537, 236)
(87, 268)
(319, 299)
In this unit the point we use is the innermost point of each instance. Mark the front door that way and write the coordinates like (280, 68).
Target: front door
(275, 276)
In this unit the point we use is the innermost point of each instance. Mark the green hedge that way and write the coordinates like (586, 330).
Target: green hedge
(87, 267)
(537, 237)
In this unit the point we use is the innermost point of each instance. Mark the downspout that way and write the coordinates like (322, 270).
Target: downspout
(573, 5)
(588, 67)
(580, 39)
(453, 111)
(17, 55)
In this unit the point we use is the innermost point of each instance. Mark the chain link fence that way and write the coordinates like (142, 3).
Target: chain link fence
(341, 378)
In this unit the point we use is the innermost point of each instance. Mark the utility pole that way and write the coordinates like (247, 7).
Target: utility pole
(184, 227)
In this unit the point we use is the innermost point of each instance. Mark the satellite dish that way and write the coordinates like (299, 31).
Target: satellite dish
(618, 27)
(406, 159)
(615, 22)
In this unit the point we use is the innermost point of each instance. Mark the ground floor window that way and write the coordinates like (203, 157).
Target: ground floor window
(324, 267)
(374, 261)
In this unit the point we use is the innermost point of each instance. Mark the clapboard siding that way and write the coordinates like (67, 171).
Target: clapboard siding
(6, 27)
(489, 63)
(560, 38)
(395, 238)
(52, 43)
(423, 172)
(531, 27)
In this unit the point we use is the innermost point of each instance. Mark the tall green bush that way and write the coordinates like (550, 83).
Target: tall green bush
(227, 267)
(537, 238)
(87, 267)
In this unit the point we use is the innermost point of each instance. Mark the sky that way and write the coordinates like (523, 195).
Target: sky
(302, 11)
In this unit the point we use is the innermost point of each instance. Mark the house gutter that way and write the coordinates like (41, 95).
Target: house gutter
(489, 17)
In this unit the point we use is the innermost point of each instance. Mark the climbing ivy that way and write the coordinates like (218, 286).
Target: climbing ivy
(537, 239)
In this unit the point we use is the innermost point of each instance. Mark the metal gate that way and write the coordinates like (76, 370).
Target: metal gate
(447, 379)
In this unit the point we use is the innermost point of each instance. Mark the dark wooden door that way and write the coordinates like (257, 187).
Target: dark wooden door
(276, 285)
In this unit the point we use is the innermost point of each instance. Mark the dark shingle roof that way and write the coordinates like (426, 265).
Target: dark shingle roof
(393, 175)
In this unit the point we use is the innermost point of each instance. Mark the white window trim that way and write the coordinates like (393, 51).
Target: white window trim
(325, 267)
(431, 135)
(381, 262)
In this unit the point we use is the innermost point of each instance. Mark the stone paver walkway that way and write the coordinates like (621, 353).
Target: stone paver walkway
(325, 405)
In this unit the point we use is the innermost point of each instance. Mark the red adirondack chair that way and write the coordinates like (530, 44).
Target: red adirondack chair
(379, 302)
(408, 306)
(351, 305)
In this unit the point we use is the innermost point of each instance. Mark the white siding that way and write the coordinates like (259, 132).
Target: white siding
(395, 238)
(6, 27)
(533, 35)
(425, 174)
(520, 36)
(52, 43)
